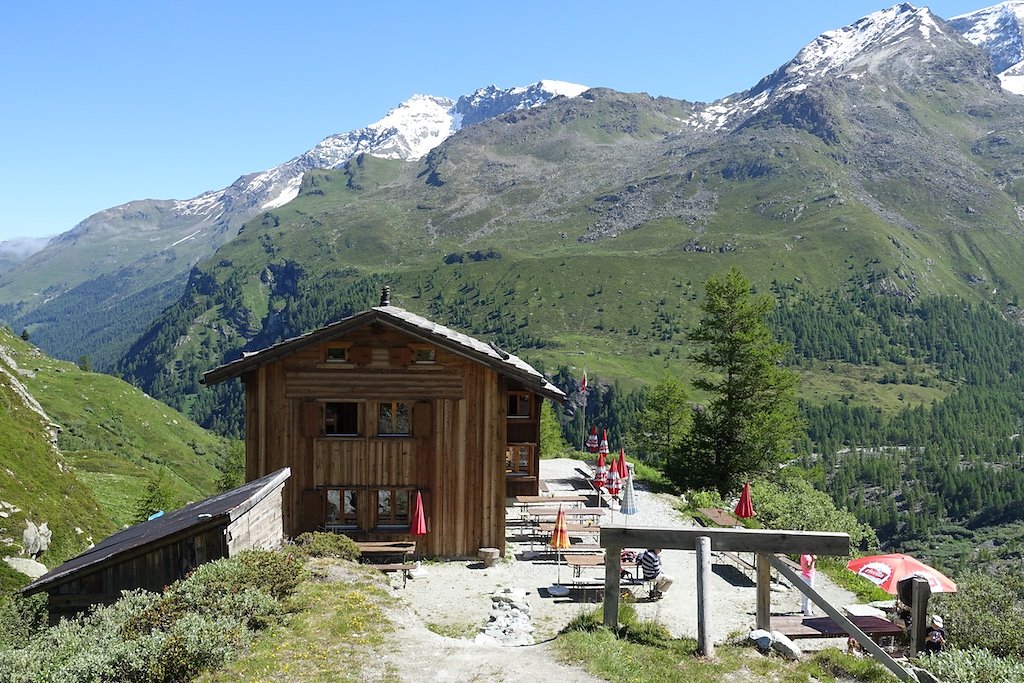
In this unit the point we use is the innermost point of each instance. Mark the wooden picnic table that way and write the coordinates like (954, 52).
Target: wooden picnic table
(720, 517)
(578, 562)
(379, 551)
(796, 627)
(569, 512)
(548, 500)
(572, 527)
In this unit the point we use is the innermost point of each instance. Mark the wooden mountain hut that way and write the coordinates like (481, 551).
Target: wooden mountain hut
(376, 407)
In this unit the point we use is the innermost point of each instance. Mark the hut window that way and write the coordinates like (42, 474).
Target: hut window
(393, 418)
(337, 353)
(393, 507)
(519, 460)
(341, 509)
(519, 404)
(341, 419)
(423, 354)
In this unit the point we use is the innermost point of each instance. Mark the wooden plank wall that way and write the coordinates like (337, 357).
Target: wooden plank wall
(459, 465)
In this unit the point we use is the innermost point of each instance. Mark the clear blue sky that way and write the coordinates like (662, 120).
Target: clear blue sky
(105, 102)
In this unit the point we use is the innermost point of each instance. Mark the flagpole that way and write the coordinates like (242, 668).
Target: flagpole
(583, 390)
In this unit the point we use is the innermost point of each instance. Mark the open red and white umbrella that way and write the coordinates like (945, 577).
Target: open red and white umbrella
(886, 571)
(745, 507)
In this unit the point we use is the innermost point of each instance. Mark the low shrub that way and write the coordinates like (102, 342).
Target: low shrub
(705, 498)
(987, 611)
(197, 623)
(323, 544)
(973, 665)
(21, 618)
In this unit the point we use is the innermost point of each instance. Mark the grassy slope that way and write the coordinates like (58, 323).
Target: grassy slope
(114, 441)
(37, 480)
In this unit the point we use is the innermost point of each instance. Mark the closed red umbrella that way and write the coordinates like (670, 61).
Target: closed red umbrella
(601, 475)
(886, 571)
(623, 467)
(592, 443)
(418, 522)
(614, 479)
(603, 447)
(559, 541)
(745, 508)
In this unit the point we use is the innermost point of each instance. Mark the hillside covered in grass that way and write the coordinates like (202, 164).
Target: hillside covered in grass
(80, 451)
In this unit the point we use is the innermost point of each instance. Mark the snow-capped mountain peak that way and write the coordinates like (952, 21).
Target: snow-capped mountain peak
(834, 50)
(999, 30)
(409, 132)
(848, 51)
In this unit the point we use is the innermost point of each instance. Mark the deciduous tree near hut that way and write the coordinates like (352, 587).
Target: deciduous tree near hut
(749, 424)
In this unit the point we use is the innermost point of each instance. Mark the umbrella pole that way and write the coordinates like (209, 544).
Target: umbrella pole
(558, 565)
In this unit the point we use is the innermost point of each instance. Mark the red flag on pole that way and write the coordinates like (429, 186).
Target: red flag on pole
(583, 382)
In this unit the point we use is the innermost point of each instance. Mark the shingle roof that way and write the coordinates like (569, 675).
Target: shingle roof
(216, 511)
(489, 354)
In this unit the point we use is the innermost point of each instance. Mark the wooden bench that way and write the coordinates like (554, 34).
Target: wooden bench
(746, 567)
(718, 517)
(404, 567)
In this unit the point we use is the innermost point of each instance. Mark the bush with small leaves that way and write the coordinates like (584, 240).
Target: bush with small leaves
(974, 665)
(323, 544)
(987, 611)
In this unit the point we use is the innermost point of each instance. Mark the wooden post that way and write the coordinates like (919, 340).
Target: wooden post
(919, 596)
(612, 557)
(704, 643)
(764, 592)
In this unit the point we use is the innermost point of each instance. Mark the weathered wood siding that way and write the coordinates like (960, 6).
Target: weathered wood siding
(261, 526)
(151, 570)
(454, 456)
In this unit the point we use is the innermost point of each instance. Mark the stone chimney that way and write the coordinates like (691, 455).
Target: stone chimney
(385, 295)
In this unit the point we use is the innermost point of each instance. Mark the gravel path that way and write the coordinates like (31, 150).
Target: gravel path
(455, 597)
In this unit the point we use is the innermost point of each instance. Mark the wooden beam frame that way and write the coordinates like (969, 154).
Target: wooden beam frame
(747, 540)
(763, 542)
(869, 645)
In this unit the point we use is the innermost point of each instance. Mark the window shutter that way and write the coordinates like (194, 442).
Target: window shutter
(312, 419)
(401, 356)
(422, 418)
(360, 355)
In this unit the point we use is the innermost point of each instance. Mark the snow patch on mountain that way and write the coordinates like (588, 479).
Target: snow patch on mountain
(999, 30)
(408, 132)
(847, 51)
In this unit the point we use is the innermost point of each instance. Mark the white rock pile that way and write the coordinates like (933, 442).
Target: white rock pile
(509, 622)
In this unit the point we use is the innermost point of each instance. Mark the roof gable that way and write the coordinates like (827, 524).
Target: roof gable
(502, 362)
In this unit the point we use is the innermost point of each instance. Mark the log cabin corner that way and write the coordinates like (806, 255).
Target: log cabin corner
(377, 406)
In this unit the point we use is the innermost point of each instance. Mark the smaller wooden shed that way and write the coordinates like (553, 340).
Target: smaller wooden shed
(158, 552)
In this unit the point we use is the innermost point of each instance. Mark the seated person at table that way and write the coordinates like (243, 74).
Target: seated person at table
(935, 636)
(650, 563)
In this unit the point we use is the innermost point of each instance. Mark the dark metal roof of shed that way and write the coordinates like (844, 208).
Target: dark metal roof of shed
(220, 510)
(504, 363)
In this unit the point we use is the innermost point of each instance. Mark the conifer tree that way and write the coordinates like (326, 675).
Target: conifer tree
(749, 424)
